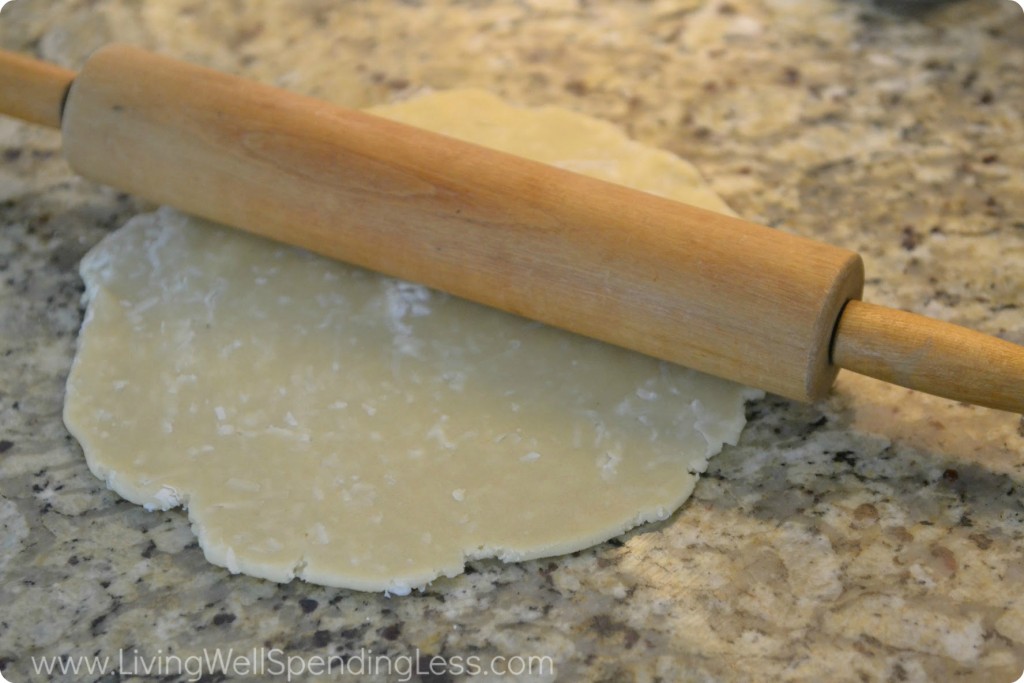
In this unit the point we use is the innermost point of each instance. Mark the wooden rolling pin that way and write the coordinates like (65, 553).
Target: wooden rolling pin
(712, 292)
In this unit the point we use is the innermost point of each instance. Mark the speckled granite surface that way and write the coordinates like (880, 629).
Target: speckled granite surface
(876, 536)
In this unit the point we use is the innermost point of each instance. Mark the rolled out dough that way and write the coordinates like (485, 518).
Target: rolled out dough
(324, 422)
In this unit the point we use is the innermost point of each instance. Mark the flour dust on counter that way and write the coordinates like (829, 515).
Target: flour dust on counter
(323, 422)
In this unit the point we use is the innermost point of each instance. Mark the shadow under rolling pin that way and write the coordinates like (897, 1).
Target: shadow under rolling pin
(712, 292)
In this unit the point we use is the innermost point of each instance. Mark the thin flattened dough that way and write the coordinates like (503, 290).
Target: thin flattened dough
(353, 430)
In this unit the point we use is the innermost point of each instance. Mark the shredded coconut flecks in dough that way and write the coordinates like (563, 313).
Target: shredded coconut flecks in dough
(321, 421)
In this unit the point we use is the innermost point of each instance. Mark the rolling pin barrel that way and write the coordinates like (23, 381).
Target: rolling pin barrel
(701, 289)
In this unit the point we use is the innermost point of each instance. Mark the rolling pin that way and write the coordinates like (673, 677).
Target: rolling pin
(712, 292)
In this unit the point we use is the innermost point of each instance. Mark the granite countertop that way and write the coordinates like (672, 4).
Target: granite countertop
(878, 535)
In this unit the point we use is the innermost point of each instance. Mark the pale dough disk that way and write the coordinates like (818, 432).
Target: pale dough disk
(324, 422)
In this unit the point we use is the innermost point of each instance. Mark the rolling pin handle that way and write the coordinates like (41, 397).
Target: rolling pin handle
(930, 355)
(32, 90)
